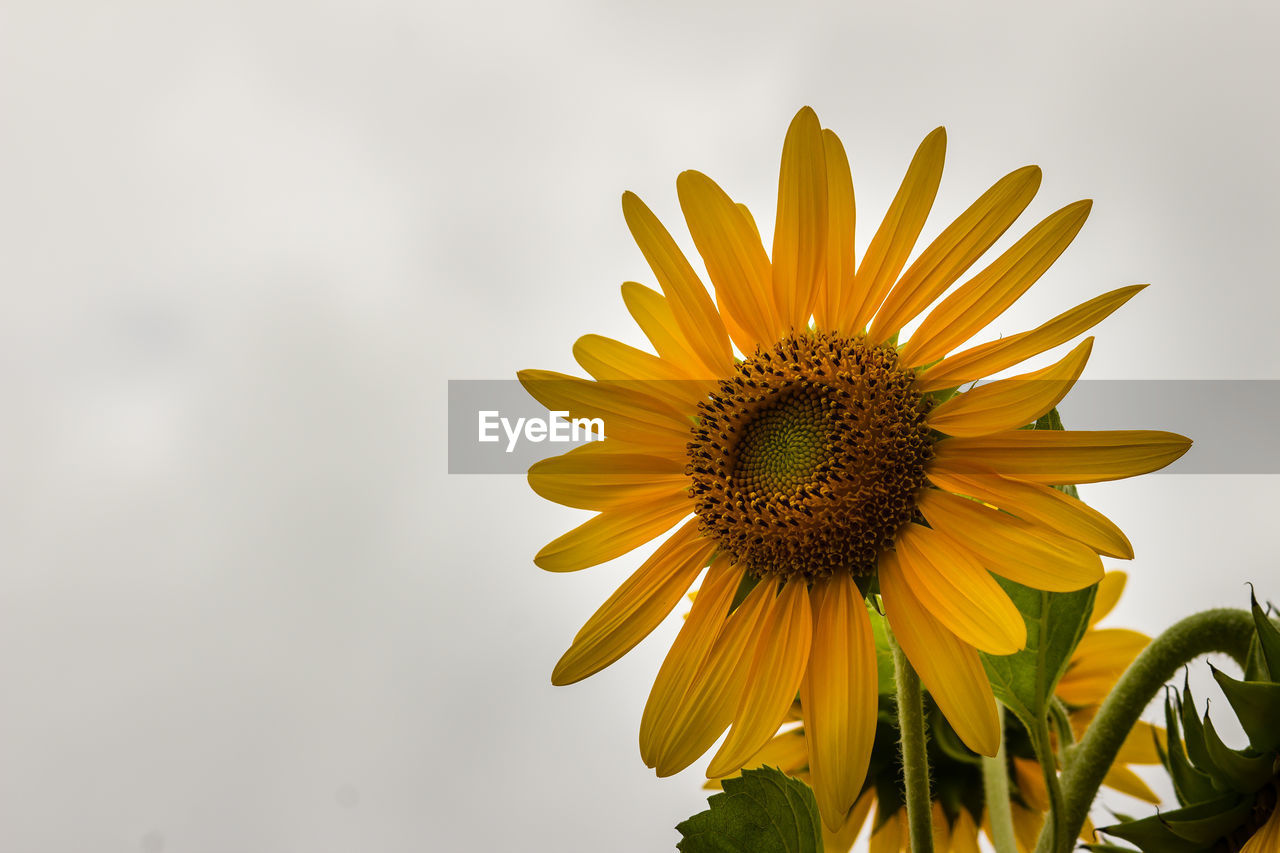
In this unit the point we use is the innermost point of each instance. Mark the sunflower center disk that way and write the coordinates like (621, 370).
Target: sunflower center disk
(808, 460)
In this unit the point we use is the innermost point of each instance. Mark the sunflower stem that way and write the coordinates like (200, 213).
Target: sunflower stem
(915, 759)
(995, 792)
(1224, 630)
(1062, 726)
(1056, 824)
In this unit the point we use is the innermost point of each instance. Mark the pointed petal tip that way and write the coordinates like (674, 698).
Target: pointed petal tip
(560, 676)
(1031, 174)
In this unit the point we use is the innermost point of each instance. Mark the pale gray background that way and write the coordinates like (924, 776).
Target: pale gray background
(243, 246)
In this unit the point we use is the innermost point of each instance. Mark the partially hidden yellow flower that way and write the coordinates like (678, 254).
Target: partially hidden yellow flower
(959, 809)
(826, 460)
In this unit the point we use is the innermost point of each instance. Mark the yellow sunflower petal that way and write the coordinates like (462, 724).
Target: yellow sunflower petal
(1267, 838)
(612, 361)
(1030, 779)
(783, 641)
(611, 534)
(1065, 457)
(891, 835)
(964, 834)
(1026, 827)
(1126, 781)
(606, 359)
(597, 476)
(735, 259)
(1097, 663)
(986, 296)
(958, 592)
(786, 751)
(941, 829)
(841, 841)
(708, 707)
(890, 248)
(1109, 590)
(833, 309)
(689, 651)
(1139, 745)
(693, 309)
(755, 229)
(985, 359)
(628, 414)
(950, 669)
(636, 607)
(653, 315)
(799, 237)
(955, 249)
(1025, 553)
(1011, 403)
(1033, 502)
(839, 696)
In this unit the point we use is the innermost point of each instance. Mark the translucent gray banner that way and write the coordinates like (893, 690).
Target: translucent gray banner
(496, 427)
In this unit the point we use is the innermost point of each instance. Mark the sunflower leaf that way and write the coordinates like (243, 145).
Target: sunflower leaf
(884, 655)
(1025, 681)
(1190, 785)
(1268, 636)
(1192, 829)
(1257, 706)
(761, 810)
(1245, 773)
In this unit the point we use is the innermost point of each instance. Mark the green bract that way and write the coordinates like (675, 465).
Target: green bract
(1225, 794)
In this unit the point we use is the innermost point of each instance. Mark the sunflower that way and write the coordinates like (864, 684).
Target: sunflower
(829, 460)
(959, 810)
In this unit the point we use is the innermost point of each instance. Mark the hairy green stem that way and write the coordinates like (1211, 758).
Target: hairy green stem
(915, 760)
(995, 792)
(1226, 630)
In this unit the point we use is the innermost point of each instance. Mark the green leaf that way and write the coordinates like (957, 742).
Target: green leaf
(761, 811)
(1268, 637)
(1257, 706)
(1189, 784)
(1209, 828)
(1152, 836)
(1255, 662)
(1193, 739)
(884, 652)
(1188, 830)
(1244, 772)
(1024, 681)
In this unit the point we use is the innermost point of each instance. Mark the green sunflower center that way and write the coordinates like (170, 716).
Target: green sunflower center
(808, 460)
(784, 445)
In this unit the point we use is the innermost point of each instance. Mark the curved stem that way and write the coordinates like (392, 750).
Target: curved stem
(915, 760)
(1225, 630)
(995, 793)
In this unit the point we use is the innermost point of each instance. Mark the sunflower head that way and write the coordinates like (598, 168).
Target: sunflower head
(822, 458)
(808, 460)
(1228, 797)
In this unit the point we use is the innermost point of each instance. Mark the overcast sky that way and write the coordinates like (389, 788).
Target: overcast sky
(244, 245)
